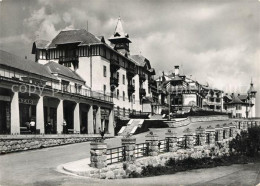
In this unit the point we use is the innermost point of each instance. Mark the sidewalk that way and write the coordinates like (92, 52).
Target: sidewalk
(242, 174)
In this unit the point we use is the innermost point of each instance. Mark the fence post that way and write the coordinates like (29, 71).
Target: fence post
(171, 141)
(210, 131)
(219, 132)
(129, 143)
(189, 138)
(98, 154)
(152, 141)
(232, 131)
(202, 135)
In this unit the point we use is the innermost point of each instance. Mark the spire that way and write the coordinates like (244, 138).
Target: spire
(251, 89)
(119, 28)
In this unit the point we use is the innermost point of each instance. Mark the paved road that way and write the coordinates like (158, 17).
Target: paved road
(38, 167)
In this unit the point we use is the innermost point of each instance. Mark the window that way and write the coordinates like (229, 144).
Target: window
(238, 107)
(133, 99)
(117, 94)
(78, 88)
(123, 79)
(133, 82)
(104, 71)
(117, 75)
(104, 89)
(124, 112)
(123, 95)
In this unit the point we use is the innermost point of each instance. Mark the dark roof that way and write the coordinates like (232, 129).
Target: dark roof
(62, 70)
(235, 100)
(14, 61)
(81, 36)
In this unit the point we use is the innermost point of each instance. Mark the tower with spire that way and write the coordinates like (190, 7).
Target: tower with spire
(252, 99)
(120, 39)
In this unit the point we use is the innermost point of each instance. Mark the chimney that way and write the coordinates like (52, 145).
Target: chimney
(176, 70)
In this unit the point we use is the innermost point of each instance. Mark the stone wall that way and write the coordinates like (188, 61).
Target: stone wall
(211, 148)
(209, 118)
(16, 144)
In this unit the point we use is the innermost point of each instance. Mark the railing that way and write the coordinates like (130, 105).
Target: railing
(142, 77)
(114, 81)
(141, 150)
(162, 145)
(115, 155)
(65, 59)
(28, 79)
(142, 92)
(131, 89)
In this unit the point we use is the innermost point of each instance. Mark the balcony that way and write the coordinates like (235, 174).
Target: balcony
(130, 72)
(114, 65)
(142, 77)
(152, 81)
(131, 89)
(142, 92)
(113, 83)
(66, 59)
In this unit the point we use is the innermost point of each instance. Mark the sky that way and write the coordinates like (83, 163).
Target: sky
(215, 41)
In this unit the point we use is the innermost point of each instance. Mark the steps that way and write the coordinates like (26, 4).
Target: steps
(131, 127)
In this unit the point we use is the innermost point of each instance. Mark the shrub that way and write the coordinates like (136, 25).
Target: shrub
(247, 143)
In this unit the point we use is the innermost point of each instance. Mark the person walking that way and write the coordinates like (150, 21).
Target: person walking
(102, 133)
(32, 126)
(64, 127)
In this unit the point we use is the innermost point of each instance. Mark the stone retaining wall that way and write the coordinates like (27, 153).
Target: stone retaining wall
(209, 118)
(12, 144)
(122, 170)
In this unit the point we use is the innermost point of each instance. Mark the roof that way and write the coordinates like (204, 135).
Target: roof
(139, 60)
(235, 100)
(41, 44)
(14, 61)
(251, 89)
(81, 36)
(119, 28)
(62, 70)
(119, 34)
(242, 97)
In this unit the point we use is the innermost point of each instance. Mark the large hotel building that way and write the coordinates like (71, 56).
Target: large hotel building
(77, 78)
(88, 83)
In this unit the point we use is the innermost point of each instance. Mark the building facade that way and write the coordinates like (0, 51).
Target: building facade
(241, 105)
(184, 93)
(51, 95)
(105, 65)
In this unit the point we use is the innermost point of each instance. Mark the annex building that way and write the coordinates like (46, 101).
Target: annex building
(49, 93)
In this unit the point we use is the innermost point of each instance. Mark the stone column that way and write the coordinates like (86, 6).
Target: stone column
(129, 144)
(171, 139)
(152, 141)
(98, 119)
(40, 115)
(15, 114)
(219, 131)
(60, 117)
(90, 120)
(211, 132)
(77, 118)
(111, 130)
(189, 137)
(98, 158)
(202, 135)
(226, 131)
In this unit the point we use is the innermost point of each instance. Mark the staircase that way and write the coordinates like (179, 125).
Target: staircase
(131, 127)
